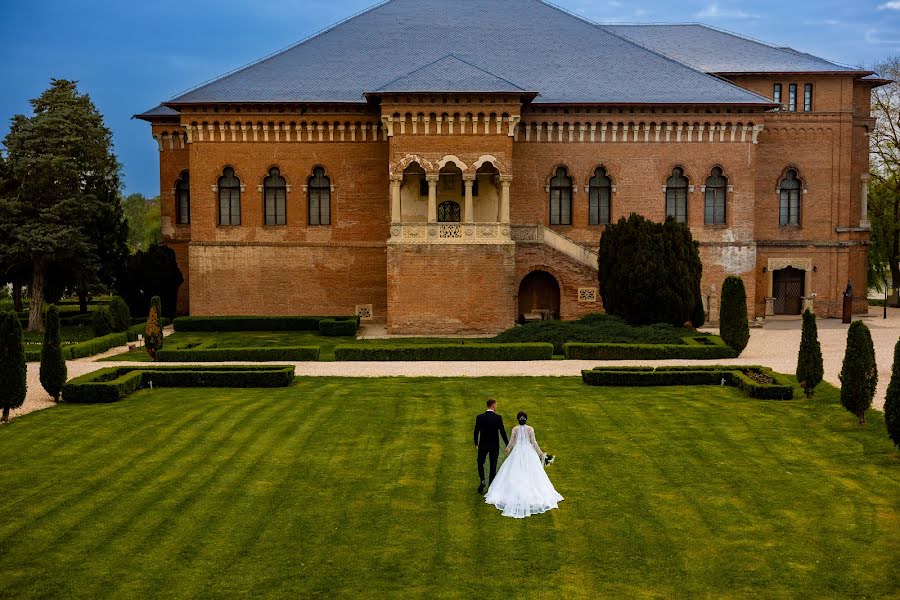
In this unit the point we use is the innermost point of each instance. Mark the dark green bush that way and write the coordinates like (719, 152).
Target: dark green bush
(102, 322)
(121, 316)
(892, 400)
(782, 389)
(263, 354)
(580, 351)
(241, 323)
(94, 346)
(53, 366)
(594, 328)
(652, 378)
(113, 384)
(733, 327)
(13, 370)
(473, 351)
(650, 272)
(859, 375)
(337, 328)
(810, 369)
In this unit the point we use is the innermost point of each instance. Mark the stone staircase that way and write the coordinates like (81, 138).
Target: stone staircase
(538, 234)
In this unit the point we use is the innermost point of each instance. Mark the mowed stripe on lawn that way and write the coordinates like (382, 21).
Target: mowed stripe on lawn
(365, 487)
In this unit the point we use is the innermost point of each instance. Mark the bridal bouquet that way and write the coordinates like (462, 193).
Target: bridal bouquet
(548, 459)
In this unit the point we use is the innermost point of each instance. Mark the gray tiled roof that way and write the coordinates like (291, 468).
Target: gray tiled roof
(527, 43)
(158, 111)
(715, 51)
(450, 74)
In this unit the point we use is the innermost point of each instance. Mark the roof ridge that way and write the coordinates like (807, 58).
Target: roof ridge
(288, 48)
(454, 56)
(651, 50)
(739, 36)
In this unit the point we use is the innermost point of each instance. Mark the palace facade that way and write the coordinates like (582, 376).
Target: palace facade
(449, 167)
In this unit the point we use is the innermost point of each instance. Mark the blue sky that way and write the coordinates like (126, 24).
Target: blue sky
(130, 55)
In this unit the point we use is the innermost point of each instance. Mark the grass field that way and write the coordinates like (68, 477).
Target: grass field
(265, 339)
(365, 488)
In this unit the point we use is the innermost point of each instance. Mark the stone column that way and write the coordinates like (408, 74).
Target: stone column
(505, 180)
(396, 180)
(469, 214)
(432, 197)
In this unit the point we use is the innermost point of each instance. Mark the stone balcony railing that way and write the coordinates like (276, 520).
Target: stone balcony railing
(450, 233)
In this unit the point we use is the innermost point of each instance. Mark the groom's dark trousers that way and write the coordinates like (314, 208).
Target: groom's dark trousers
(488, 429)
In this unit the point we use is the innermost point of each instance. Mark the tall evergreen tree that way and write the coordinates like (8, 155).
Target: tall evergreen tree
(153, 335)
(809, 359)
(53, 365)
(892, 400)
(650, 272)
(61, 202)
(733, 326)
(13, 374)
(859, 374)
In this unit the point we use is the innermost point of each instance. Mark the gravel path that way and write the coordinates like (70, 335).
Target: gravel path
(774, 345)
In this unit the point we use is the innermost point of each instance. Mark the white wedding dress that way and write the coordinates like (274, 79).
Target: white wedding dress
(521, 487)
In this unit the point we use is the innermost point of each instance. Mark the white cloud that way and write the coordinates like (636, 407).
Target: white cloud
(892, 5)
(873, 36)
(715, 11)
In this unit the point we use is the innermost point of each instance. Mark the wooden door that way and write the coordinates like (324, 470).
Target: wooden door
(788, 290)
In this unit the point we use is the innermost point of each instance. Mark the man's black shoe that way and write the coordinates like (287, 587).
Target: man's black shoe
(481, 489)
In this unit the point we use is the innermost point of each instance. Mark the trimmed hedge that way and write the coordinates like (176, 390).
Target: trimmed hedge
(86, 348)
(474, 351)
(113, 384)
(782, 389)
(337, 328)
(240, 323)
(691, 349)
(263, 354)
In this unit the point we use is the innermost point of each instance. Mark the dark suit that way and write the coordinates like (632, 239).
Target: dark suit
(488, 427)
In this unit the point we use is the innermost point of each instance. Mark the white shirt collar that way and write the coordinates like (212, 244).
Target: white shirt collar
(490, 410)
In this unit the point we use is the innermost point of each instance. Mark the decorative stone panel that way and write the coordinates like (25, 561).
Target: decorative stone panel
(587, 294)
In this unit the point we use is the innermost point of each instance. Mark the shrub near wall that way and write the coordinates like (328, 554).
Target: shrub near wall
(337, 328)
(241, 323)
(474, 351)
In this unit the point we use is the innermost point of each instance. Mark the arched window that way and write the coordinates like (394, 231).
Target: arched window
(448, 212)
(716, 188)
(275, 195)
(676, 195)
(561, 198)
(789, 190)
(600, 187)
(229, 198)
(319, 198)
(183, 199)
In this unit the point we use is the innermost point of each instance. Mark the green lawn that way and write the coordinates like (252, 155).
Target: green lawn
(365, 488)
(251, 339)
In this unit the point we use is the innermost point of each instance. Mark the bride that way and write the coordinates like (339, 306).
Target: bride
(521, 487)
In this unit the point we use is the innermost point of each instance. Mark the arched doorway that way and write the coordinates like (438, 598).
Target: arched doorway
(538, 297)
(788, 289)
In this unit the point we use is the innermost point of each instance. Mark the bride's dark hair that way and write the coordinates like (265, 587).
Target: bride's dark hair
(522, 417)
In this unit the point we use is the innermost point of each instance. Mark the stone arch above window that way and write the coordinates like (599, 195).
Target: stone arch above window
(599, 197)
(676, 195)
(715, 197)
(183, 198)
(561, 197)
(275, 198)
(229, 198)
(790, 188)
(319, 197)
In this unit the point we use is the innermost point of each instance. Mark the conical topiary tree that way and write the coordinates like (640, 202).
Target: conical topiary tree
(13, 374)
(53, 365)
(859, 375)
(121, 315)
(733, 327)
(809, 360)
(153, 337)
(892, 400)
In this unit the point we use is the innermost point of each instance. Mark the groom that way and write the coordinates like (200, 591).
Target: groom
(487, 427)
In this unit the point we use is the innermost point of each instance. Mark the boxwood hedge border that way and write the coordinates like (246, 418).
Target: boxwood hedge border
(691, 349)
(782, 389)
(446, 352)
(250, 323)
